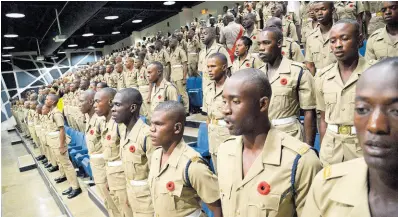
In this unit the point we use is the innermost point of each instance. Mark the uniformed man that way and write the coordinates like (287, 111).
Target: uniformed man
(179, 178)
(261, 171)
(208, 39)
(350, 10)
(249, 9)
(51, 165)
(365, 186)
(110, 141)
(74, 89)
(130, 74)
(309, 25)
(93, 85)
(33, 116)
(58, 141)
(79, 116)
(318, 53)
(293, 88)
(245, 59)
(373, 16)
(108, 76)
(162, 56)
(136, 150)
(335, 95)
(144, 86)
(179, 70)
(38, 126)
(95, 148)
(29, 120)
(230, 34)
(266, 9)
(25, 112)
(119, 76)
(101, 72)
(162, 89)
(251, 31)
(384, 42)
(181, 43)
(290, 48)
(288, 28)
(150, 56)
(217, 130)
(193, 46)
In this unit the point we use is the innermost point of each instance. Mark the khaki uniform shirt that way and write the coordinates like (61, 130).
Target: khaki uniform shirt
(150, 57)
(306, 30)
(318, 51)
(336, 99)
(100, 78)
(229, 34)
(110, 140)
(107, 78)
(380, 46)
(55, 121)
(292, 50)
(131, 78)
(179, 200)
(376, 22)
(112, 80)
(348, 9)
(250, 61)
(272, 168)
(183, 45)
(304, 15)
(93, 134)
(253, 36)
(267, 11)
(193, 47)
(141, 75)
(291, 16)
(162, 56)
(289, 29)
(120, 80)
(165, 92)
(340, 190)
(177, 58)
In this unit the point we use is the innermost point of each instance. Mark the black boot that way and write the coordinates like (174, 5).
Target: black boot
(48, 165)
(60, 179)
(53, 169)
(40, 157)
(74, 193)
(67, 191)
(44, 161)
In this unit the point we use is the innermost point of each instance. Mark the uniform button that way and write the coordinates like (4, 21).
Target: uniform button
(342, 109)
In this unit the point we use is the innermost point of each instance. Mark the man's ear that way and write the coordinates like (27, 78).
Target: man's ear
(177, 128)
(133, 108)
(264, 104)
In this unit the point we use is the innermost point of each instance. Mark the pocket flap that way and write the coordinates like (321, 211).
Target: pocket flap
(330, 98)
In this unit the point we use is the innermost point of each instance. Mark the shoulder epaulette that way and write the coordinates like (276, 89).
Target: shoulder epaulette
(376, 32)
(298, 147)
(324, 70)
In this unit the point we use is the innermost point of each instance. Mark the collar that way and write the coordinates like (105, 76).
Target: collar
(135, 131)
(384, 35)
(219, 90)
(284, 68)
(247, 59)
(176, 155)
(352, 190)
(318, 34)
(362, 65)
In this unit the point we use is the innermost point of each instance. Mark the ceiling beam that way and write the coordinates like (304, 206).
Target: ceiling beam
(140, 9)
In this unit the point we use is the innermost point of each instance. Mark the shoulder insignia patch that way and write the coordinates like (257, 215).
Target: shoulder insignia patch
(327, 172)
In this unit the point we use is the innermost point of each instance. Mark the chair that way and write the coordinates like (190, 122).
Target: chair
(362, 50)
(85, 163)
(202, 145)
(195, 92)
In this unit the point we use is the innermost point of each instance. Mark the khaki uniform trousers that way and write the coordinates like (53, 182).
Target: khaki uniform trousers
(71, 111)
(36, 139)
(217, 135)
(117, 189)
(182, 90)
(63, 161)
(145, 107)
(99, 175)
(33, 134)
(43, 141)
(193, 60)
(337, 148)
(142, 199)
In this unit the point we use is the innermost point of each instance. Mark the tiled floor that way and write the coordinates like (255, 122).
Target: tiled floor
(23, 193)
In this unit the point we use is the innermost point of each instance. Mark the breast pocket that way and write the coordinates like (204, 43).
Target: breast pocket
(330, 104)
(171, 197)
(263, 205)
(133, 161)
(282, 97)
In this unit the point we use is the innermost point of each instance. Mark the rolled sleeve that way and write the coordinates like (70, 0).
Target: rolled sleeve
(308, 53)
(59, 120)
(307, 91)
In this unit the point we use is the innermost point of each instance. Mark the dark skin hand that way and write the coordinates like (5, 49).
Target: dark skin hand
(310, 126)
(376, 122)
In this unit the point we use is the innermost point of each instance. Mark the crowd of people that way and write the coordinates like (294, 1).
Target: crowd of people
(257, 82)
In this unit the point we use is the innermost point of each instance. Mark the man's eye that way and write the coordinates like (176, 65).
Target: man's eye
(361, 110)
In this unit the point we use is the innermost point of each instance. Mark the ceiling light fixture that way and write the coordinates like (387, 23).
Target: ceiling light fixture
(54, 57)
(5, 60)
(72, 45)
(6, 55)
(111, 17)
(137, 21)
(8, 48)
(100, 42)
(169, 3)
(87, 32)
(115, 32)
(11, 35)
(90, 47)
(61, 51)
(15, 15)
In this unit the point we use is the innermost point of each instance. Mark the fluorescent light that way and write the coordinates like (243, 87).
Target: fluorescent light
(137, 21)
(61, 52)
(90, 47)
(54, 57)
(100, 42)
(6, 55)
(15, 15)
(115, 32)
(111, 17)
(87, 34)
(169, 3)
(10, 35)
(6, 60)
(72, 45)
(8, 48)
